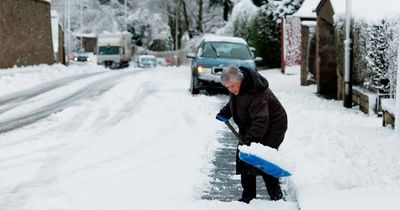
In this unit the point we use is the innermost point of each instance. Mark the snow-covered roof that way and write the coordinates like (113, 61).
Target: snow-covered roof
(47, 1)
(217, 38)
(86, 35)
(309, 23)
(307, 9)
(368, 9)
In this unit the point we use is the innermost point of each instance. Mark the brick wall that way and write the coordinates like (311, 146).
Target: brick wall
(25, 33)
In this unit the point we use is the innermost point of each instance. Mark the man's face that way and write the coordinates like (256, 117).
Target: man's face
(233, 87)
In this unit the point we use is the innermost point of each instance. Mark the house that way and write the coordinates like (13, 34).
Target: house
(88, 41)
(305, 42)
(25, 33)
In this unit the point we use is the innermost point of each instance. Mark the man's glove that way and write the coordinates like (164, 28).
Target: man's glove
(247, 140)
(221, 118)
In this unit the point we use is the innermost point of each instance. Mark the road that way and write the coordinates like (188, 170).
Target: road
(51, 97)
(113, 136)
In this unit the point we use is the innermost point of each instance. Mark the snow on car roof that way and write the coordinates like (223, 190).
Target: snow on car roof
(147, 56)
(216, 38)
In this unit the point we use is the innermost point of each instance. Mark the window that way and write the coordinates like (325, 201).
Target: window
(109, 50)
(226, 50)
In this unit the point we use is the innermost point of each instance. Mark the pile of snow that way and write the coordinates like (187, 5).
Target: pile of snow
(271, 155)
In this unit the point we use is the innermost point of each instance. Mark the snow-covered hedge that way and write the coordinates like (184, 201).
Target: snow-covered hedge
(374, 57)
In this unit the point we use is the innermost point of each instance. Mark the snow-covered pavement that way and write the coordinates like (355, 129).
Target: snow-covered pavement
(146, 143)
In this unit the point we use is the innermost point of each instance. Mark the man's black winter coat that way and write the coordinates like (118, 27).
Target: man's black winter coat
(259, 115)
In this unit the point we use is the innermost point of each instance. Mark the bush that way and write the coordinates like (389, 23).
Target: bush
(265, 37)
(374, 53)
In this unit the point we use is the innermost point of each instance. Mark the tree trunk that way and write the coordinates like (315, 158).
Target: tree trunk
(185, 16)
(227, 9)
(200, 16)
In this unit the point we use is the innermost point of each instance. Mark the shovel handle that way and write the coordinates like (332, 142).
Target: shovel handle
(226, 121)
(234, 132)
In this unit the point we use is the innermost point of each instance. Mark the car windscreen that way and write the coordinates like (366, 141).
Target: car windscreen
(148, 60)
(226, 50)
(109, 50)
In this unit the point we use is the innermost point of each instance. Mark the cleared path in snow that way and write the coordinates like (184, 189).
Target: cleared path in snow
(224, 183)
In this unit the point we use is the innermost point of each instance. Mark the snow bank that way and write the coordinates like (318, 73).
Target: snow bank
(18, 78)
(389, 105)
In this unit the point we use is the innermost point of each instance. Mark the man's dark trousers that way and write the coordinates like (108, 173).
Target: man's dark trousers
(249, 186)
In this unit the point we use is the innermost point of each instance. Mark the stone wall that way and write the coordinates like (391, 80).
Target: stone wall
(326, 59)
(25, 33)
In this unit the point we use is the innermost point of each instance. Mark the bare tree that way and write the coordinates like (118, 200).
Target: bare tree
(191, 17)
(226, 4)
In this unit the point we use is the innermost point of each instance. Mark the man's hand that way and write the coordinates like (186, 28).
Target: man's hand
(247, 140)
(221, 118)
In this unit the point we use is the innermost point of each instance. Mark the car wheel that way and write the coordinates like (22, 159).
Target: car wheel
(193, 88)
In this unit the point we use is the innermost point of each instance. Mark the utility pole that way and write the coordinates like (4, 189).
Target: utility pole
(176, 27)
(67, 27)
(81, 25)
(347, 100)
(126, 16)
(397, 108)
(65, 31)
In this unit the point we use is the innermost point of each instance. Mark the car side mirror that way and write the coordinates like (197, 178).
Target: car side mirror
(258, 59)
(190, 55)
(252, 50)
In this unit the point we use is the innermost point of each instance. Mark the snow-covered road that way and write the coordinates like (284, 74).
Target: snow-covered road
(136, 139)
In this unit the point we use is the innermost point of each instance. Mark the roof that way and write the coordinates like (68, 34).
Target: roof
(217, 38)
(46, 1)
(307, 9)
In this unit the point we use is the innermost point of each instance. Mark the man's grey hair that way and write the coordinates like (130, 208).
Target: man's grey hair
(231, 74)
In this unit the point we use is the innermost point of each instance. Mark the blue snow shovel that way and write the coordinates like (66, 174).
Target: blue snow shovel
(253, 160)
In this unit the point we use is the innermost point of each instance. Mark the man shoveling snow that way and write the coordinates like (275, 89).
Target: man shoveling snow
(261, 119)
